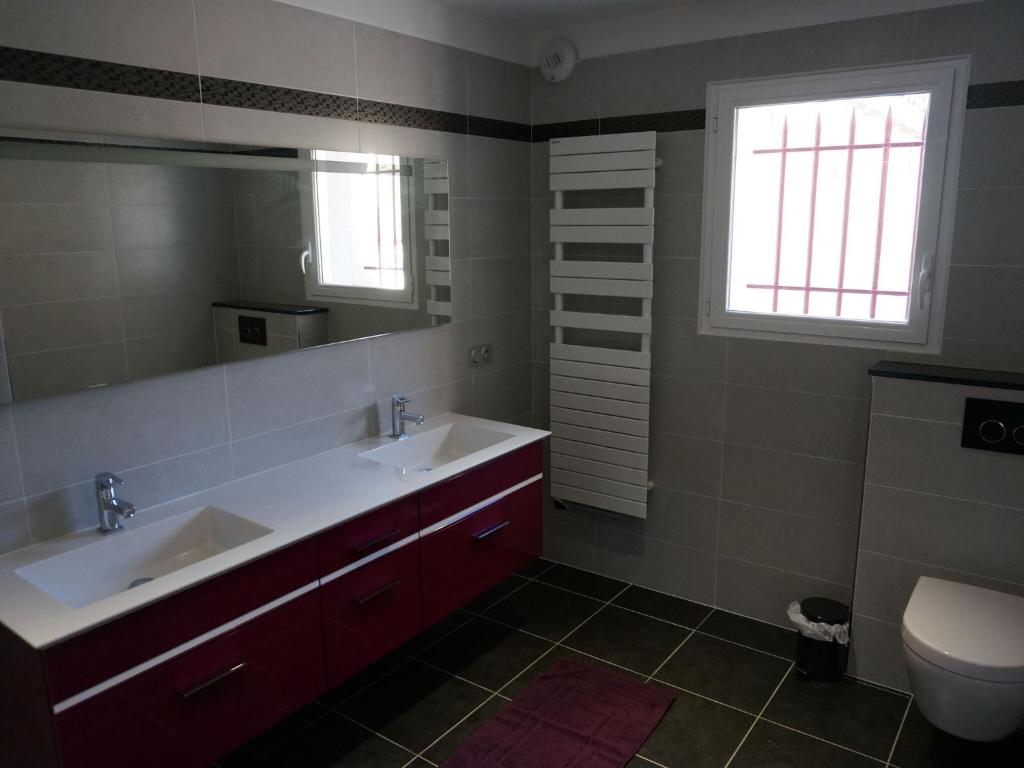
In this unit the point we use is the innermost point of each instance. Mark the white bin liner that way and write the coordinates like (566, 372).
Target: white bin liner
(817, 630)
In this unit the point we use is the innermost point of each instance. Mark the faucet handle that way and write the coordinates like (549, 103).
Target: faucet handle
(108, 480)
(400, 400)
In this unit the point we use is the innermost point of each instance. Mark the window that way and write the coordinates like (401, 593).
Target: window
(361, 250)
(828, 205)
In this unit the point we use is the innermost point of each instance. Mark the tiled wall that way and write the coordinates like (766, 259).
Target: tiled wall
(107, 270)
(931, 508)
(181, 433)
(758, 447)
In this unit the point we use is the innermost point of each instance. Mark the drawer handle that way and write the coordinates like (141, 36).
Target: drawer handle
(488, 532)
(373, 543)
(213, 680)
(364, 599)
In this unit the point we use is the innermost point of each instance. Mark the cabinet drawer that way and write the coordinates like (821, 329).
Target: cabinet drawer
(463, 560)
(371, 611)
(101, 653)
(354, 540)
(469, 488)
(197, 706)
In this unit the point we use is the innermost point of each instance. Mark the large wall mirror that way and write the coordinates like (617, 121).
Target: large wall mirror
(122, 259)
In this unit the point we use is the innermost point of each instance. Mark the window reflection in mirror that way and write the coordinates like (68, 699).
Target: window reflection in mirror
(122, 258)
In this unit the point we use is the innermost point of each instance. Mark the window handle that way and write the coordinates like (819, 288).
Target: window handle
(305, 256)
(925, 278)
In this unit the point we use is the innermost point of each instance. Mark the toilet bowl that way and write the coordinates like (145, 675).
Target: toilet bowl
(964, 648)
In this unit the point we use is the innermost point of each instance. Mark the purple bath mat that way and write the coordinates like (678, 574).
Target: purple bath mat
(575, 715)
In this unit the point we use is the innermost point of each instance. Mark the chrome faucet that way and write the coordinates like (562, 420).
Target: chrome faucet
(399, 416)
(110, 506)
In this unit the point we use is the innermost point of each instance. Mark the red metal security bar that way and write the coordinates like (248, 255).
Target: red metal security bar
(840, 290)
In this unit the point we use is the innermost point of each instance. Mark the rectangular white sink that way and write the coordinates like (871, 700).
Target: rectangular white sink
(120, 561)
(436, 447)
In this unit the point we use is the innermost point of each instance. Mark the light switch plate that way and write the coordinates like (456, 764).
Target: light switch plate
(479, 355)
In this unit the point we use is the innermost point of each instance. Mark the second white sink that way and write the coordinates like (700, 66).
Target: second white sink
(123, 560)
(436, 447)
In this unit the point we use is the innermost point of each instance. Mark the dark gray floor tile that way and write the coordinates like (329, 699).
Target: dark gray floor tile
(853, 715)
(584, 582)
(543, 610)
(446, 746)
(922, 745)
(559, 652)
(485, 652)
(632, 641)
(663, 606)
(414, 705)
(432, 634)
(726, 672)
(755, 634)
(365, 678)
(270, 738)
(536, 568)
(696, 733)
(770, 746)
(495, 594)
(333, 742)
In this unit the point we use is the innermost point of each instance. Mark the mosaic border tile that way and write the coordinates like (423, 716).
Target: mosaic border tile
(385, 113)
(39, 68)
(1009, 93)
(274, 98)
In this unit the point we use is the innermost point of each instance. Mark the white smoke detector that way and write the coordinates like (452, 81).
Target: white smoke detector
(557, 60)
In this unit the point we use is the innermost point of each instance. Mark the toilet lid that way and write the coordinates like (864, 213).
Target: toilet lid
(972, 631)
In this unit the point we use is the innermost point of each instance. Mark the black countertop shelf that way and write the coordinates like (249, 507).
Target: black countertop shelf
(973, 377)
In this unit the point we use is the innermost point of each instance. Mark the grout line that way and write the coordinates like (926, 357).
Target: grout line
(638, 756)
(681, 644)
(758, 717)
(376, 733)
(466, 717)
(899, 732)
(818, 738)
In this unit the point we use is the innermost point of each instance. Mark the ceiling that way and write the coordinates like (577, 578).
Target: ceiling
(542, 11)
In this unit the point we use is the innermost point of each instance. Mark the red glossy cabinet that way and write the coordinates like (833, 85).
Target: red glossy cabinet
(465, 559)
(205, 702)
(371, 611)
(143, 690)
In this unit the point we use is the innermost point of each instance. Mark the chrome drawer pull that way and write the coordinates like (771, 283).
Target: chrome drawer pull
(213, 680)
(488, 532)
(378, 541)
(378, 592)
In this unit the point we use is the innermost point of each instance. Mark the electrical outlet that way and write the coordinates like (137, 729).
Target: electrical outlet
(479, 355)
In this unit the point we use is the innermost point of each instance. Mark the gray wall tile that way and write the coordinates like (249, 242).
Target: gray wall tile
(934, 401)
(37, 327)
(989, 31)
(498, 89)
(801, 485)
(688, 406)
(983, 303)
(828, 46)
(14, 532)
(39, 277)
(685, 463)
(68, 439)
(234, 124)
(277, 44)
(642, 82)
(54, 228)
(676, 291)
(679, 351)
(876, 653)
(406, 70)
(678, 226)
(577, 98)
(804, 545)
(764, 593)
(991, 156)
(983, 539)
(502, 394)
(811, 424)
(162, 32)
(828, 370)
(926, 456)
(55, 372)
(10, 473)
(50, 181)
(498, 227)
(500, 285)
(682, 518)
(285, 390)
(989, 229)
(498, 167)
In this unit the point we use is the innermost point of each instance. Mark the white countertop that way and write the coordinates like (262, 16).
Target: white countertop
(296, 501)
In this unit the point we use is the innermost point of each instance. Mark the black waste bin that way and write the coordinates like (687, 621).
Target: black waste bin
(822, 660)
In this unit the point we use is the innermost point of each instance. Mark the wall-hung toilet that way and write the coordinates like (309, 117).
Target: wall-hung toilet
(964, 647)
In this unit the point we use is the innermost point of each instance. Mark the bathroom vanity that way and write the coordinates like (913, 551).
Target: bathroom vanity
(313, 571)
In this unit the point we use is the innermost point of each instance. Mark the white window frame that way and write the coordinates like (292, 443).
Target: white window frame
(317, 290)
(946, 82)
